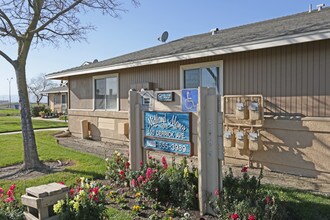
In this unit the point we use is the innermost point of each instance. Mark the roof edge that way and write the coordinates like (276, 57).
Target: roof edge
(252, 45)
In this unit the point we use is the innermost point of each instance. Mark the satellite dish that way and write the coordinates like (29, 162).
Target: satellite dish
(164, 37)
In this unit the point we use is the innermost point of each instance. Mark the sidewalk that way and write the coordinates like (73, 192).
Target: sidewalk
(36, 130)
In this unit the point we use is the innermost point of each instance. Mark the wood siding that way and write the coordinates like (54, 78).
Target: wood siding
(294, 80)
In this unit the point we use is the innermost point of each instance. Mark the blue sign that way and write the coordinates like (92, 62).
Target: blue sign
(165, 97)
(189, 100)
(167, 125)
(168, 146)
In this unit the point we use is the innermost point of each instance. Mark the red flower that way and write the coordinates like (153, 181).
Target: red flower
(133, 183)
(12, 187)
(96, 199)
(267, 200)
(61, 183)
(234, 216)
(127, 165)
(244, 169)
(251, 217)
(10, 193)
(9, 199)
(149, 157)
(71, 192)
(141, 163)
(216, 192)
(96, 190)
(121, 173)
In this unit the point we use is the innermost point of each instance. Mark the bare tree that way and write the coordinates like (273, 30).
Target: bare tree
(39, 84)
(31, 22)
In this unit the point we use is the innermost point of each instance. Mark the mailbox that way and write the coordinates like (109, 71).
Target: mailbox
(241, 111)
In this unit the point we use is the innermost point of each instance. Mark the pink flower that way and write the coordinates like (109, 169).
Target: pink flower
(149, 157)
(267, 200)
(9, 199)
(234, 216)
(156, 189)
(1, 192)
(141, 163)
(140, 178)
(251, 217)
(133, 183)
(164, 162)
(12, 187)
(244, 169)
(149, 173)
(127, 165)
(216, 192)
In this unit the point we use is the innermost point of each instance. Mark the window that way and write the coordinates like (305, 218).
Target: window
(106, 92)
(204, 75)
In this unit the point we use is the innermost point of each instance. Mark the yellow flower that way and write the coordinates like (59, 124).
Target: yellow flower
(136, 208)
(58, 206)
(185, 172)
(138, 194)
(76, 206)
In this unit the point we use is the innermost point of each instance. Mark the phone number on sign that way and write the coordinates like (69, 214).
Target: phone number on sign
(181, 148)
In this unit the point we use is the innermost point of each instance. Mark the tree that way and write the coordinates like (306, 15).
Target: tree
(27, 23)
(39, 84)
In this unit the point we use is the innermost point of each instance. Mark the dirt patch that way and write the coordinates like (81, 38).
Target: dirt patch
(104, 150)
(14, 172)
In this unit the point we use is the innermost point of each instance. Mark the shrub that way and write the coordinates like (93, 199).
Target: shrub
(176, 184)
(244, 198)
(63, 117)
(36, 109)
(9, 206)
(85, 201)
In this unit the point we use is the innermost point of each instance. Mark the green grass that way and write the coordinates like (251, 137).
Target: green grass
(9, 124)
(9, 112)
(302, 205)
(84, 164)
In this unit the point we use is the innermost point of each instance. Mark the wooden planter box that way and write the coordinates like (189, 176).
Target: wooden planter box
(41, 199)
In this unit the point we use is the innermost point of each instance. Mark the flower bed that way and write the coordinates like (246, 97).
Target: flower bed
(9, 206)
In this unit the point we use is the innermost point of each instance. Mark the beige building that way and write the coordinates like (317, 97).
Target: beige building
(286, 60)
(57, 99)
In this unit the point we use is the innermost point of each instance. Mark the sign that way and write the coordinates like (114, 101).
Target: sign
(189, 100)
(168, 146)
(165, 97)
(167, 125)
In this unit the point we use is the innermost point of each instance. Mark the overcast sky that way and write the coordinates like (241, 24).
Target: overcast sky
(140, 27)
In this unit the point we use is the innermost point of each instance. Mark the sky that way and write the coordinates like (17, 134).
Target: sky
(139, 28)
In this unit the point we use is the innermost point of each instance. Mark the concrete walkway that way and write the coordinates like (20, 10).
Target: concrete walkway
(36, 130)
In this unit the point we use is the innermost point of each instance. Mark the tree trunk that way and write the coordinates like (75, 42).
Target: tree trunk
(31, 159)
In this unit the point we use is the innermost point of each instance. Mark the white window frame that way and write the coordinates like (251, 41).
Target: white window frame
(203, 65)
(102, 77)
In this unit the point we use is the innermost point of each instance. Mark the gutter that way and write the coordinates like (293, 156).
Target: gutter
(254, 45)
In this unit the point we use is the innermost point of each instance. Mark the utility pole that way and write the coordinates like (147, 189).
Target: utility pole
(9, 81)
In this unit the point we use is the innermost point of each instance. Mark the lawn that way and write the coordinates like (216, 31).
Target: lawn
(9, 124)
(84, 164)
(9, 112)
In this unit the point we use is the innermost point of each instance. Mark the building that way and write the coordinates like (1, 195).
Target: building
(286, 60)
(57, 98)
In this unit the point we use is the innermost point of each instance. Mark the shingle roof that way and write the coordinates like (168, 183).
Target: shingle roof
(56, 90)
(278, 27)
